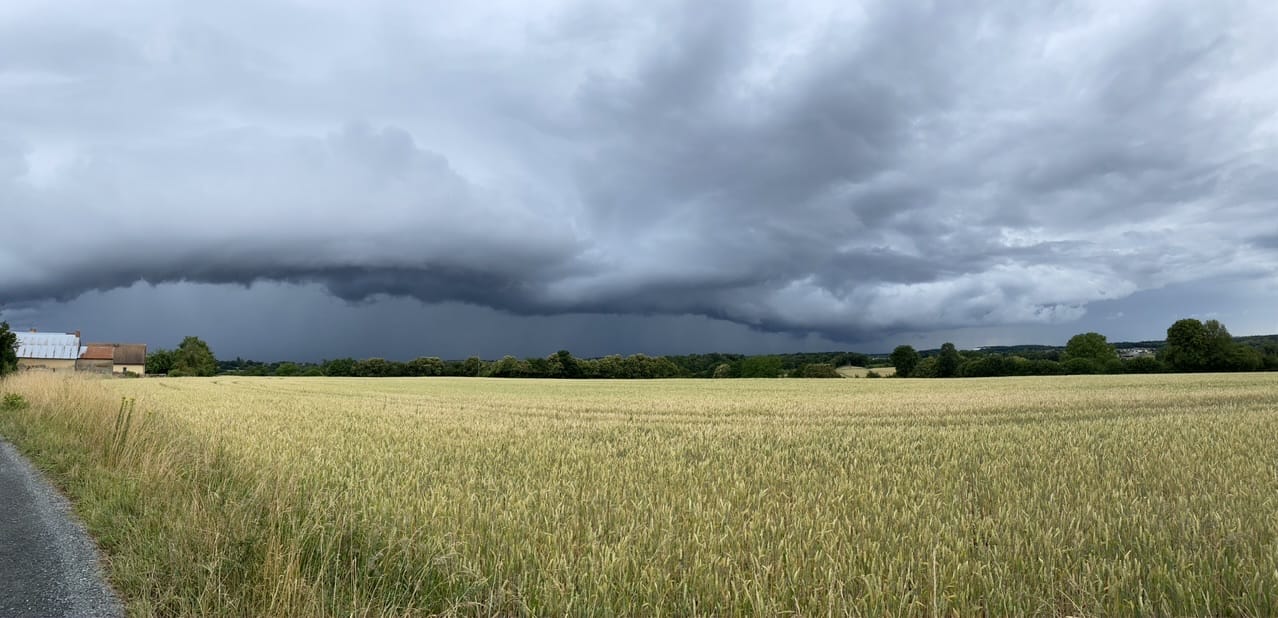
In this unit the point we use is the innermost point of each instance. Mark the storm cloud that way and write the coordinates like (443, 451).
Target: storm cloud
(848, 170)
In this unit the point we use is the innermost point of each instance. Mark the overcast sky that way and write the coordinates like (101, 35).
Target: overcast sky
(319, 179)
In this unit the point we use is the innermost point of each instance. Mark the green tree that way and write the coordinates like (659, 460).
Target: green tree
(1090, 346)
(609, 367)
(507, 367)
(339, 367)
(926, 368)
(287, 369)
(1144, 364)
(1269, 357)
(159, 362)
(905, 359)
(1225, 354)
(1219, 344)
(8, 349)
(374, 368)
(985, 367)
(193, 358)
(635, 367)
(568, 366)
(722, 370)
(1044, 367)
(948, 361)
(541, 368)
(1080, 365)
(851, 358)
(472, 366)
(662, 367)
(1243, 358)
(761, 367)
(425, 366)
(1187, 347)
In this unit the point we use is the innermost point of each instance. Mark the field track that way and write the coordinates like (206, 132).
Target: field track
(49, 565)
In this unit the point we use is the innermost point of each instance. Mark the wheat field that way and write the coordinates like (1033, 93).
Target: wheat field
(1087, 495)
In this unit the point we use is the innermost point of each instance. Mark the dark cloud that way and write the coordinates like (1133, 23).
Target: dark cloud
(273, 321)
(845, 170)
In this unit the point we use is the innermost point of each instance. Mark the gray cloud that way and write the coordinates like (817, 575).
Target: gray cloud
(274, 321)
(849, 170)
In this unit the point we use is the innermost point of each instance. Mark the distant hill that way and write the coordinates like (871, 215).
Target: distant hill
(1033, 351)
(1258, 341)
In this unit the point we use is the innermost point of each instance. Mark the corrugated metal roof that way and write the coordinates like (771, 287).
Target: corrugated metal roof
(48, 346)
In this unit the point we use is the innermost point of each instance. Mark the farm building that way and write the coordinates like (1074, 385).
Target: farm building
(126, 357)
(48, 351)
(96, 358)
(63, 352)
(1130, 353)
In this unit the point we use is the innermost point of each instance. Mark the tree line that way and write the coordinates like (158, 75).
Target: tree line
(563, 364)
(192, 357)
(1191, 345)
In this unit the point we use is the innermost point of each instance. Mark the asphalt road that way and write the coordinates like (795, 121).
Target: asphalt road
(48, 565)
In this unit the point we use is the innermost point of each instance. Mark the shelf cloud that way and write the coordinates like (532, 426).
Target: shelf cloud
(844, 169)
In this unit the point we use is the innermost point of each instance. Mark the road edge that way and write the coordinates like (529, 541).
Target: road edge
(89, 594)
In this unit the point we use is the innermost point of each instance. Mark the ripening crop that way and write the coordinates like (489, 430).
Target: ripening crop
(1096, 495)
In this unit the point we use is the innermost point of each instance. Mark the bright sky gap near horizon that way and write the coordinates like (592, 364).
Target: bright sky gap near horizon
(391, 178)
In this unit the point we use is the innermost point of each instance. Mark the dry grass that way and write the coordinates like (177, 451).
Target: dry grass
(1094, 495)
